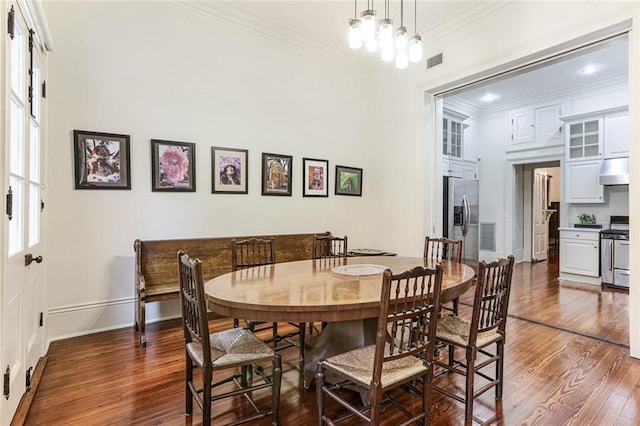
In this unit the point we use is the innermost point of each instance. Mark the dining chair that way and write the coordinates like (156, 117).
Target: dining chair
(255, 252)
(438, 248)
(329, 246)
(328, 249)
(477, 335)
(401, 355)
(225, 350)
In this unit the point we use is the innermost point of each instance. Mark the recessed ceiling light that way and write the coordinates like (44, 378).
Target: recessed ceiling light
(589, 69)
(489, 97)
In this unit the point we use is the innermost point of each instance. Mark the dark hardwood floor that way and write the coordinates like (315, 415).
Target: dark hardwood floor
(567, 363)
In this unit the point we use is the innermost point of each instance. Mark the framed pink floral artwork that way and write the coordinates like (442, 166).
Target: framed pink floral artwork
(173, 166)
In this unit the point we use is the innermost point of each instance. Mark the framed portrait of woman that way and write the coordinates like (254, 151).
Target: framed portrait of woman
(229, 170)
(173, 166)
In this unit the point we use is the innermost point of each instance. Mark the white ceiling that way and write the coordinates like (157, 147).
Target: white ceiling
(610, 59)
(322, 25)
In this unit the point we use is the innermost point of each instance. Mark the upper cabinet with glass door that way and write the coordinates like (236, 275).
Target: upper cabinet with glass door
(452, 143)
(584, 139)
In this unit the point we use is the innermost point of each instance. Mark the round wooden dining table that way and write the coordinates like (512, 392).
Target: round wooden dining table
(343, 292)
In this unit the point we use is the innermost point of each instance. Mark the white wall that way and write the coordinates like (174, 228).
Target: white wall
(154, 71)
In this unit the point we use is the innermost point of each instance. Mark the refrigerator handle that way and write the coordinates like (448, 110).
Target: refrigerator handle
(466, 215)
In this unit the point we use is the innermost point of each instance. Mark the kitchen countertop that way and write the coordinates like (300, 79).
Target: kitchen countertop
(572, 228)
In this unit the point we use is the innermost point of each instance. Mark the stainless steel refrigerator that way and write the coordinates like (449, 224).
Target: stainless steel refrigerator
(461, 214)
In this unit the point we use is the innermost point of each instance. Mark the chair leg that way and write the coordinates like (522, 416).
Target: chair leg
(188, 379)
(320, 394)
(277, 380)
(499, 368)
(471, 373)
(206, 396)
(303, 331)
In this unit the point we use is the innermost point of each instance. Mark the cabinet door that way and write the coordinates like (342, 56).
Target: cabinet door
(579, 257)
(522, 127)
(584, 139)
(582, 183)
(548, 125)
(616, 135)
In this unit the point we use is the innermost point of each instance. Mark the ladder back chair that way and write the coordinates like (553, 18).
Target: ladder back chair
(224, 350)
(329, 246)
(329, 250)
(402, 354)
(444, 249)
(256, 252)
(485, 328)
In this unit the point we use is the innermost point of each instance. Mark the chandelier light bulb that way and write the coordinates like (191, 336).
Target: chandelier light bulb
(401, 39)
(415, 48)
(368, 25)
(385, 33)
(355, 35)
(402, 59)
(387, 53)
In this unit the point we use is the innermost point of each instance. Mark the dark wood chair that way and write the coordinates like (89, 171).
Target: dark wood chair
(328, 246)
(224, 350)
(485, 328)
(256, 252)
(402, 354)
(442, 249)
(331, 251)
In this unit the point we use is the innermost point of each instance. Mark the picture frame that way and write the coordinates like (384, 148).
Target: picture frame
(229, 170)
(173, 166)
(315, 180)
(348, 181)
(101, 160)
(276, 174)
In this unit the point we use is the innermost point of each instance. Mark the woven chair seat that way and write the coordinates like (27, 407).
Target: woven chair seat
(229, 348)
(357, 365)
(455, 329)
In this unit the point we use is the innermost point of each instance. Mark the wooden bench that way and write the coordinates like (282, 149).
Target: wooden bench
(156, 271)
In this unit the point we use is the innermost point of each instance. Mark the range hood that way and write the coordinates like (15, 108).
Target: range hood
(615, 171)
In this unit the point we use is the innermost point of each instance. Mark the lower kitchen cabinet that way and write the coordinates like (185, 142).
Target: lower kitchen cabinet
(580, 256)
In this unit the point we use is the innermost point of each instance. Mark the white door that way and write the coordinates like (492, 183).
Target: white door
(22, 286)
(540, 224)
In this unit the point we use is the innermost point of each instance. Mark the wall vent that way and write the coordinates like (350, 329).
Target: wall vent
(488, 236)
(434, 60)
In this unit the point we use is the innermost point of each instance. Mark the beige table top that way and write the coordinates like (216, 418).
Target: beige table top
(309, 290)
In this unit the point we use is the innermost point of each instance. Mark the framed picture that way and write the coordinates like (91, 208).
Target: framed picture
(276, 174)
(229, 170)
(315, 181)
(173, 166)
(101, 160)
(348, 181)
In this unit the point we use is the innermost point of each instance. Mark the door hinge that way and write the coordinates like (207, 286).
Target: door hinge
(11, 26)
(27, 380)
(10, 204)
(44, 89)
(41, 205)
(6, 387)
(41, 319)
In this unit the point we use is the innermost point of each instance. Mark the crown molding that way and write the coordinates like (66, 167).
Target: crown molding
(270, 31)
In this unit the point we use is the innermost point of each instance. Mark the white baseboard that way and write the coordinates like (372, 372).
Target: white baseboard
(77, 320)
(580, 278)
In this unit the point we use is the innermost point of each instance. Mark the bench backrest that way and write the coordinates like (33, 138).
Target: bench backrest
(156, 259)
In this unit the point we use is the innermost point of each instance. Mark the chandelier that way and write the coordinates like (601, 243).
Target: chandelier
(376, 35)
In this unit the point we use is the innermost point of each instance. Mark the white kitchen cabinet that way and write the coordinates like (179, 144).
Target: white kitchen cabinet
(453, 167)
(584, 139)
(616, 134)
(453, 143)
(470, 170)
(582, 182)
(580, 253)
(536, 127)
